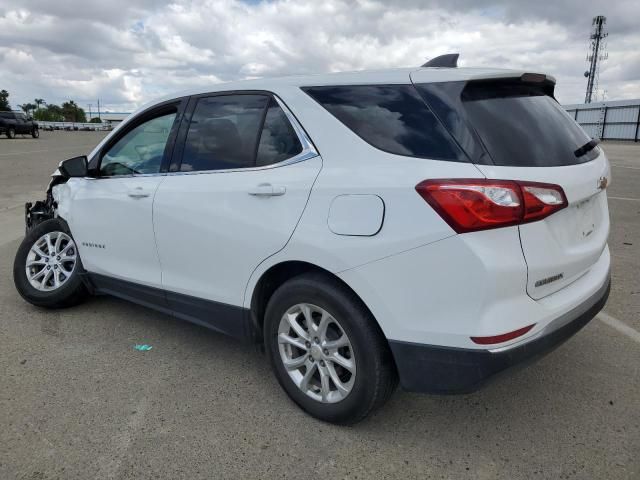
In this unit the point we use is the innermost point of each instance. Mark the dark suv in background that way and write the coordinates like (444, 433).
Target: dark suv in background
(13, 123)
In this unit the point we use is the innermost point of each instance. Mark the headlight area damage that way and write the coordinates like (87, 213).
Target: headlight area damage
(42, 210)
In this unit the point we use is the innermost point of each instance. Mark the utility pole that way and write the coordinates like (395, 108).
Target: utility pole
(99, 110)
(89, 105)
(597, 53)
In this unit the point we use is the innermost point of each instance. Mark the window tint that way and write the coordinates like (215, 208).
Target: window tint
(278, 140)
(140, 150)
(520, 124)
(393, 118)
(223, 132)
(6, 115)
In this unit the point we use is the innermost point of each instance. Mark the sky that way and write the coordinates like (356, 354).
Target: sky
(128, 52)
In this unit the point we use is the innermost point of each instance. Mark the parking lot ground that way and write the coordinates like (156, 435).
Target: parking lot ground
(77, 401)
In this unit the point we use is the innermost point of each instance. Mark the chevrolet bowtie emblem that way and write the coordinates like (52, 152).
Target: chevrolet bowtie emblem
(602, 183)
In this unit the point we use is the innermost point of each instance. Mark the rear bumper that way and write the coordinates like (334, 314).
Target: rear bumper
(436, 369)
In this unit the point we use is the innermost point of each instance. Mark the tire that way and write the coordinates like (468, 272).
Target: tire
(35, 133)
(11, 133)
(71, 290)
(370, 383)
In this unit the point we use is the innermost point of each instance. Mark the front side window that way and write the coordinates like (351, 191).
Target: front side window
(393, 118)
(223, 132)
(141, 150)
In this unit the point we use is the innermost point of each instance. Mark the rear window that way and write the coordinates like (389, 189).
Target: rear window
(393, 118)
(519, 124)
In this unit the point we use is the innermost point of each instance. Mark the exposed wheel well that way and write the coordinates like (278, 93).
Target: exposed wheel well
(274, 278)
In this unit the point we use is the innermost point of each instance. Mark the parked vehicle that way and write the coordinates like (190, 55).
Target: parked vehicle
(430, 225)
(16, 123)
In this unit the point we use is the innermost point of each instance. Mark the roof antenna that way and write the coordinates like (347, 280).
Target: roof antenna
(448, 60)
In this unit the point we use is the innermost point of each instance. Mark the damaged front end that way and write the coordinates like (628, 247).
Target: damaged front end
(42, 210)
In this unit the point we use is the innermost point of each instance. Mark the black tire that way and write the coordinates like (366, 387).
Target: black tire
(71, 292)
(376, 376)
(11, 133)
(35, 133)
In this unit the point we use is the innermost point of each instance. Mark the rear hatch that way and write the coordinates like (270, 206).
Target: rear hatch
(513, 129)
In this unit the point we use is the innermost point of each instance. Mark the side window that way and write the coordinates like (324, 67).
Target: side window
(278, 140)
(223, 132)
(140, 150)
(393, 118)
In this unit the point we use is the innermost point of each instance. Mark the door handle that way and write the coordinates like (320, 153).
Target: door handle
(138, 192)
(268, 190)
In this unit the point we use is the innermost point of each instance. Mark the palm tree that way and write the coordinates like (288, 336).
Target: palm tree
(27, 107)
(38, 102)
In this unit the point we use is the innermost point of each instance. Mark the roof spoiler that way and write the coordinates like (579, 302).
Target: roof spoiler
(448, 60)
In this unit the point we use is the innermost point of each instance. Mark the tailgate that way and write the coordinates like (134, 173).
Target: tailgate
(514, 129)
(562, 247)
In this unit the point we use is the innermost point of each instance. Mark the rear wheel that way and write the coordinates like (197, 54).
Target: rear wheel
(35, 133)
(11, 133)
(327, 351)
(47, 267)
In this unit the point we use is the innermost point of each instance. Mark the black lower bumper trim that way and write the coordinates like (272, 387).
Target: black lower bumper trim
(445, 370)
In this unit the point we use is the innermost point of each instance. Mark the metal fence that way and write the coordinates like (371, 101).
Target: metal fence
(615, 120)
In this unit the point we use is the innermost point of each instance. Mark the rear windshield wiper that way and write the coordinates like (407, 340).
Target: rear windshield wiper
(587, 147)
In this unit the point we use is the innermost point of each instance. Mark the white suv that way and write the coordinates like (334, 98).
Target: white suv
(429, 225)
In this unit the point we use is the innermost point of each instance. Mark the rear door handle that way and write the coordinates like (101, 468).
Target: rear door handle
(268, 190)
(138, 192)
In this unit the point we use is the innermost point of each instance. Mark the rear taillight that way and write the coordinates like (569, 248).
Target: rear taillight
(469, 205)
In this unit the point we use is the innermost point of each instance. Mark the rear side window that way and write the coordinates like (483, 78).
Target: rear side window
(393, 118)
(519, 124)
(223, 132)
(7, 115)
(278, 140)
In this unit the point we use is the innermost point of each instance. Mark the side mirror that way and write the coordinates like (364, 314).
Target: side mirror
(74, 167)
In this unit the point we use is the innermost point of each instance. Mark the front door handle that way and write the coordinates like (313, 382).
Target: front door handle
(138, 192)
(268, 190)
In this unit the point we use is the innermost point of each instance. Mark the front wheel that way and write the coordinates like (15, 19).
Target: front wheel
(327, 351)
(47, 267)
(35, 133)
(11, 133)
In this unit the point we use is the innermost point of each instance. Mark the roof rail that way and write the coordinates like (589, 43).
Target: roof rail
(448, 60)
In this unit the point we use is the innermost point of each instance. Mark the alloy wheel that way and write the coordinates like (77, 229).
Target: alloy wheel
(51, 261)
(316, 353)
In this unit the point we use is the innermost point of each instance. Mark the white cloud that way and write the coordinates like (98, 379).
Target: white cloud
(127, 54)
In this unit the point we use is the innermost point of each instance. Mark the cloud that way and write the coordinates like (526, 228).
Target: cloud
(127, 53)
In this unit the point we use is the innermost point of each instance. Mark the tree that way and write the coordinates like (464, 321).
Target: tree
(95, 120)
(4, 101)
(38, 102)
(51, 113)
(27, 107)
(73, 113)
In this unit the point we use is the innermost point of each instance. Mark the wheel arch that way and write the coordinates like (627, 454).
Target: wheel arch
(275, 276)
